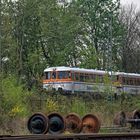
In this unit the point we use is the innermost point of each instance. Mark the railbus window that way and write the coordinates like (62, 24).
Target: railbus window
(136, 81)
(114, 78)
(117, 78)
(87, 77)
(77, 76)
(64, 74)
(72, 75)
(82, 77)
(124, 81)
(94, 78)
(69, 74)
(131, 81)
(100, 78)
(91, 78)
(128, 81)
(97, 79)
(54, 75)
(139, 82)
(47, 75)
(61, 74)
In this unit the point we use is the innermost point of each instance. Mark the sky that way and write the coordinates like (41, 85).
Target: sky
(135, 2)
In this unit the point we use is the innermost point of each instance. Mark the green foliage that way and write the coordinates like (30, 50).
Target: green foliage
(38, 34)
(102, 27)
(78, 107)
(51, 105)
(13, 98)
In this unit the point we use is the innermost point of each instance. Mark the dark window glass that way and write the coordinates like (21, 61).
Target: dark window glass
(127, 81)
(81, 77)
(114, 77)
(69, 74)
(124, 81)
(72, 75)
(76, 76)
(94, 78)
(54, 75)
(131, 81)
(61, 74)
(138, 81)
(87, 77)
(100, 78)
(47, 75)
(64, 74)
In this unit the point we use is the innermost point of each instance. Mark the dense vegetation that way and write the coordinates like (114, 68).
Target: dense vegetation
(37, 34)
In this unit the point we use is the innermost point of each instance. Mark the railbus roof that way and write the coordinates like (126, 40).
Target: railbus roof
(83, 70)
(63, 68)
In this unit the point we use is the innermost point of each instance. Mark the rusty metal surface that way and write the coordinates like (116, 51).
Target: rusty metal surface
(73, 123)
(124, 136)
(90, 124)
(133, 118)
(120, 119)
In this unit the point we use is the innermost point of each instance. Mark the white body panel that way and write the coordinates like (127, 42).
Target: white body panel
(78, 87)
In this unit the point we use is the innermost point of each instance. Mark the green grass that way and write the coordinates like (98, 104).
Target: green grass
(17, 105)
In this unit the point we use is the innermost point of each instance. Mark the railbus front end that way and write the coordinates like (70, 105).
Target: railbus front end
(73, 80)
(58, 79)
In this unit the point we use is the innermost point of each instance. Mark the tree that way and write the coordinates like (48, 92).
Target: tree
(130, 50)
(61, 27)
(97, 16)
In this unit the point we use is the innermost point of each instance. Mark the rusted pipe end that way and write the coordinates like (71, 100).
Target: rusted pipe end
(56, 123)
(38, 123)
(90, 124)
(73, 123)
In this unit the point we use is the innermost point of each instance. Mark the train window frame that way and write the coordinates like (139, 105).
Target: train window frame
(77, 78)
(72, 75)
(46, 75)
(87, 77)
(69, 75)
(91, 78)
(114, 78)
(94, 78)
(138, 82)
(127, 81)
(81, 77)
(100, 78)
(64, 75)
(53, 75)
(60, 74)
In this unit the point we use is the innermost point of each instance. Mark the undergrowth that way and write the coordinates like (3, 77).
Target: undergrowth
(17, 104)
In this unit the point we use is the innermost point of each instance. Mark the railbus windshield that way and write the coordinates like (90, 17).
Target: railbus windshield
(57, 75)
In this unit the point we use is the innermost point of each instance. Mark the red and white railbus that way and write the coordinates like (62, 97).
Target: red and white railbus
(79, 80)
